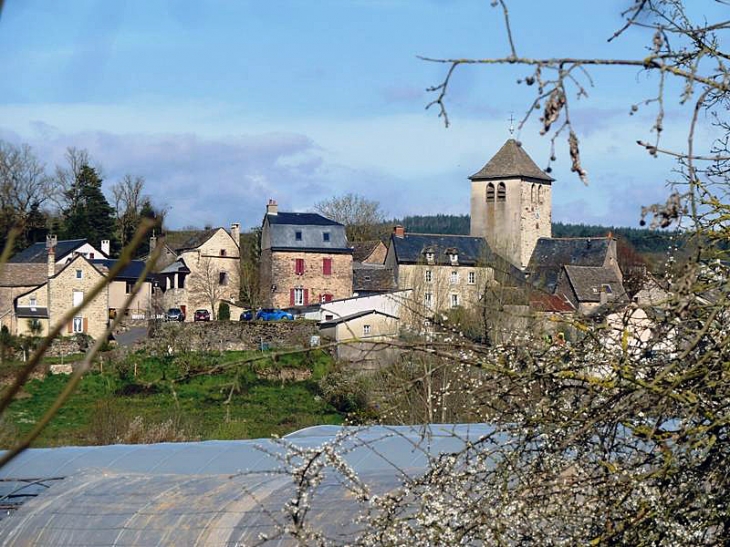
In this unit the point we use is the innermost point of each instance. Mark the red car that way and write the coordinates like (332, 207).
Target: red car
(201, 315)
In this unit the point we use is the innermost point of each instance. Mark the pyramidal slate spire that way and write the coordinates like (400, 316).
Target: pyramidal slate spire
(511, 161)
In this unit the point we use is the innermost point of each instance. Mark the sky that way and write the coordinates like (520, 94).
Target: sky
(223, 104)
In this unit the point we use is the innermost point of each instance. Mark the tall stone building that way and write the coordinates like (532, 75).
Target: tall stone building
(511, 203)
(305, 258)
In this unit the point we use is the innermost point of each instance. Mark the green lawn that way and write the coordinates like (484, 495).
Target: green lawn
(203, 396)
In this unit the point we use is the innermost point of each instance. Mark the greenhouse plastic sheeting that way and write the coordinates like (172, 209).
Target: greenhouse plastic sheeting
(204, 493)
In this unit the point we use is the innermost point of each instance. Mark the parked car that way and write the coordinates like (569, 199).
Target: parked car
(201, 315)
(174, 314)
(246, 315)
(269, 314)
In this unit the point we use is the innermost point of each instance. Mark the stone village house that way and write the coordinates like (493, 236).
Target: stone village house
(199, 272)
(36, 295)
(305, 258)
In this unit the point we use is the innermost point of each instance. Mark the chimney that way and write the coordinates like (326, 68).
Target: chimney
(399, 231)
(153, 242)
(105, 247)
(51, 242)
(236, 232)
(604, 296)
(272, 208)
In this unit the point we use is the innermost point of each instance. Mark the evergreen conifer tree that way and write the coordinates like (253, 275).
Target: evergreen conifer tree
(88, 214)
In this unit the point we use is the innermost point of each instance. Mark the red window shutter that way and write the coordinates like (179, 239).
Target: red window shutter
(86, 324)
(327, 266)
(299, 266)
(328, 298)
(291, 297)
(70, 326)
(306, 297)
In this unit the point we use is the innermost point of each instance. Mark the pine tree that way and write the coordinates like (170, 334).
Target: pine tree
(88, 214)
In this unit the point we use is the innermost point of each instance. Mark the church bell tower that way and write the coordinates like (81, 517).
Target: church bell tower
(511, 203)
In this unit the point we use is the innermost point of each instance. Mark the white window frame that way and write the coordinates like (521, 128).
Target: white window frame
(428, 276)
(78, 324)
(454, 277)
(33, 302)
(79, 274)
(366, 330)
(454, 258)
(454, 300)
(77, 298)
(428, 299)
(471, 278)
(299, 297)
(430, 257)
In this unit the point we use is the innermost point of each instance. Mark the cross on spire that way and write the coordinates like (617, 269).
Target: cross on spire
(511, 125)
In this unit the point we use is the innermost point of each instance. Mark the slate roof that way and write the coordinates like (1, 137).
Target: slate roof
(551, 254)
(37, 252)
(472, 251)
(23, 275)
(588, 281)
(338, 320)
(511, 161)
(131, 272)
(193, 241)
(372, 278)
(311, 227)
(363, 249)
(301, 219)
(31, 313)
(175, 267)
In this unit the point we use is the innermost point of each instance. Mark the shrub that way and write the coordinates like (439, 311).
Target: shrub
(224, 312)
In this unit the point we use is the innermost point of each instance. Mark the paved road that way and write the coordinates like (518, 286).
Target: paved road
(131, 336)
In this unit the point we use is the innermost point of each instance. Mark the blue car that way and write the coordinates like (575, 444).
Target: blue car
(269, 314)
(246, 315)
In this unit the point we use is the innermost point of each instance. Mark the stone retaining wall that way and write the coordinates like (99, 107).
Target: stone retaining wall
(230, 335)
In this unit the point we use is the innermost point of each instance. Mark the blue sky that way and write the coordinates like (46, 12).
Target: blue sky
(224, 104)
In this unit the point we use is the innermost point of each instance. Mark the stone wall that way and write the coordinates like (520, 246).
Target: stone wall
(230, 335)
(278, 268)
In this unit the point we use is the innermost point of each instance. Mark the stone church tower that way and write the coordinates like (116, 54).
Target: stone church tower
(511, 203)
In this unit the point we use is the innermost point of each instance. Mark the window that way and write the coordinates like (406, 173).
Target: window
(328, 317)
(490, 192)
(454, 277)
(606, 288)
(430, 257)
(366, 330)
(325, 236)
(298, 235)
(78, 298)
(540, 196)
(181, 281)
(454, 258)
(299, 266)
(33, 302)
(129, 285)
(325, 298)
(79, 274)
(223, 278)
(298, 297)
(78, 324)
(454, 300)
(501, 192)
(428, 276)
(223, 252)
(428, 299)
(327, 266)
(471, 278)
(532, 193)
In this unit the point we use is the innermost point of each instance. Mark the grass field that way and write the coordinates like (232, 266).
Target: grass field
(233, 395)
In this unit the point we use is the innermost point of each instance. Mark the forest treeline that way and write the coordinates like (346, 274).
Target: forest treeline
(643, 240)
